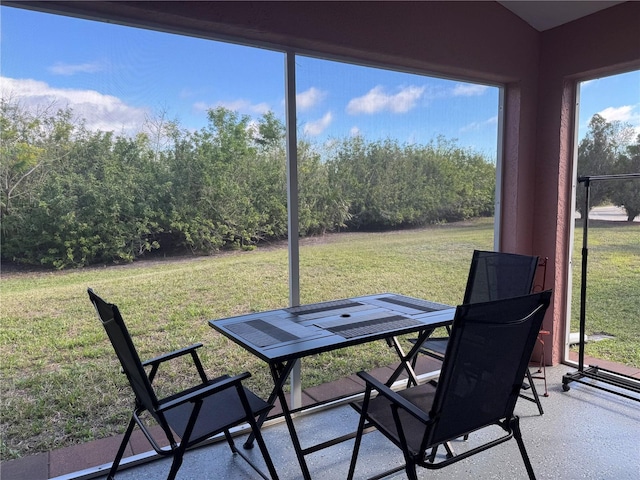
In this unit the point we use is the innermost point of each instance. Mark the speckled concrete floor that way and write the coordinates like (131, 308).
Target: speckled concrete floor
(584, 434)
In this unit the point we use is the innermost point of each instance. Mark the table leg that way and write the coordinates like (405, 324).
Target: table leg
(294, 435)
(407, 360)
(280, 372)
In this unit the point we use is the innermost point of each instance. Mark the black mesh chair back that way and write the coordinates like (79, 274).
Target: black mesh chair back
(485, 363)
(492, 276)
(498, 275)
(121, 341)
(480, 380)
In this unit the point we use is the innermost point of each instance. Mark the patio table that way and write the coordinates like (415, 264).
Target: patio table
(281, 337)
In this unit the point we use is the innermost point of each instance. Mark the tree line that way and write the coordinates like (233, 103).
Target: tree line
(610, 148)
(71, 196)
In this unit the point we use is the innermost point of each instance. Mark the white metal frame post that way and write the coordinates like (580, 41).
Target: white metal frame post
(497, 217)
(292, 202)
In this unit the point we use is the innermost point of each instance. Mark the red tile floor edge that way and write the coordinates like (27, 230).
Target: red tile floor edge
(607, 365)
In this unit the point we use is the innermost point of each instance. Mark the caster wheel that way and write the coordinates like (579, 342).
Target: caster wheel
(566, 387)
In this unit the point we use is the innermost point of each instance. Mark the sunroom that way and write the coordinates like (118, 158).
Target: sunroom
(535, 69)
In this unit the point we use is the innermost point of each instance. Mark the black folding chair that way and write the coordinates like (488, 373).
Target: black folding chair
(193, 415)
(494, 276)
(481, 376)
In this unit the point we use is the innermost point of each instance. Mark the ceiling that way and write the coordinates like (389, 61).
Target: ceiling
(543, 15)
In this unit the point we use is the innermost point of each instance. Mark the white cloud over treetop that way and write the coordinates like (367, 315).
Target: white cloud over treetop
(622, 114)
(318, 126)
(377, 100)
(100, 111)
(628, 114)
(309, 98)
(240, 105)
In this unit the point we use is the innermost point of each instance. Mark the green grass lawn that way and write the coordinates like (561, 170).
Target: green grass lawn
(60, 379)
(613, 290)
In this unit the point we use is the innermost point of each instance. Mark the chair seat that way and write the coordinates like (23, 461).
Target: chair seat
(380, 412)
(218, 412)
(437, 345)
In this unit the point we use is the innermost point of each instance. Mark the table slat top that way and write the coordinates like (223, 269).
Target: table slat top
(296, 332)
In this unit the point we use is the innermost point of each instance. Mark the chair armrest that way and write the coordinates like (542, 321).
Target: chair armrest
(203, 391)
(168, 356)
(394, 398)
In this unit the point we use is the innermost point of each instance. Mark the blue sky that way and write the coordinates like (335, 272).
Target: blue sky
(115, 77)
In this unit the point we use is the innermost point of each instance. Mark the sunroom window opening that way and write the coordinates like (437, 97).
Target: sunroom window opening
(608, 143)
(397, 176)
(176, 122)
(150, 150)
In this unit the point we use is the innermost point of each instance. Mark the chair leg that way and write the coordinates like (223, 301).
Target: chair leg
(178, 452)
(432, 455)
(544, 377)
(356, 449)
(449, 448)
(542, 365)
(121, 449)
(517, 433)
(359, 433)
(177, 463)
(263, 449)
(410, 468)
(534, 391)
(230, 441)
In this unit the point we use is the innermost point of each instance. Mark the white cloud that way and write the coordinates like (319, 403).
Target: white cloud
(100, 111)
(628, 114)
(469, 90)
(355, 132)
(317, 127)
(60, 68)
(622, 114)
(240, 105)
(310, 98)
(377, 100)
(475, 126)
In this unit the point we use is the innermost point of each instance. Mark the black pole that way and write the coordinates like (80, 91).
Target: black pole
(583, 282)
(585, 252)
